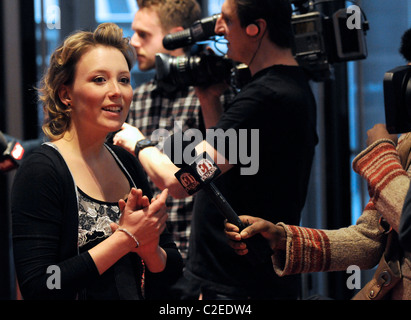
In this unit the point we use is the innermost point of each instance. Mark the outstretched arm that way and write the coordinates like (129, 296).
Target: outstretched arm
(158, 165)
(382, 164)
(303, 250)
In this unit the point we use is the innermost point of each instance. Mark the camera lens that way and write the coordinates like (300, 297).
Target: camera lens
(197, 70)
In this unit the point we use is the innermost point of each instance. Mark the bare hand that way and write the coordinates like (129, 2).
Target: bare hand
(140, 202)
(128, 137)
(379, 131)
(275, 235)
(145, 220)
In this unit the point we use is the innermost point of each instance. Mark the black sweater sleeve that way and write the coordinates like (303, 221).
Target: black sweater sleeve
(39, 209)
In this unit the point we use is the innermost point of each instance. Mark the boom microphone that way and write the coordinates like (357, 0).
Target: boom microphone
(199, 175)
(201, 30)
(11, 153)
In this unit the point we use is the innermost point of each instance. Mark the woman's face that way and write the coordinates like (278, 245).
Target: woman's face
(101, 93)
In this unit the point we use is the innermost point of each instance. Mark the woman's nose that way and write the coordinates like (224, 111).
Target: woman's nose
(115, 90)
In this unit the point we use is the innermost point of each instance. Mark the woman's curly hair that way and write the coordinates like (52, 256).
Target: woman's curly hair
(62, 68)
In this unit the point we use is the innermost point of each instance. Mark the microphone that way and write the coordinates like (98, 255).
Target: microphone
(199, 31)
(199, 175)
(11, 154)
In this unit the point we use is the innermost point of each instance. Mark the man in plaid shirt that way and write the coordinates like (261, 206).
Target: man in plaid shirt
(151, 109)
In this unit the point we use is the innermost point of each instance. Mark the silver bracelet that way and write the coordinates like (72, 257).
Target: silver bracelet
(130, 235)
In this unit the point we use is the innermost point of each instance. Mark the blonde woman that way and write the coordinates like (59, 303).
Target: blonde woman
(78, 206)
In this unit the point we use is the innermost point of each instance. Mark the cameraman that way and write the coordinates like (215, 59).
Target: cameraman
(279, 103)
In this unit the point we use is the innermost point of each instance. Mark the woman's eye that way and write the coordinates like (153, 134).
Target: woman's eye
(98, 79)
(125, 80)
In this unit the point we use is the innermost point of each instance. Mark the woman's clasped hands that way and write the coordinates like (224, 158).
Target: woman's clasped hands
(146, 221)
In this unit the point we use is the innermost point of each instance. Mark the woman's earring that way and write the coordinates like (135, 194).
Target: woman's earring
(67, 112)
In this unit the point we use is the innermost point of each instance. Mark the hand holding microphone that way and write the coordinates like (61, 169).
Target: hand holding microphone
(275, 234)
(199, 175)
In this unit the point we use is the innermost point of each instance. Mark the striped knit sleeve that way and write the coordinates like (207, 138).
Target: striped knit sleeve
(315, 250)
(388, 182)
(307, 250)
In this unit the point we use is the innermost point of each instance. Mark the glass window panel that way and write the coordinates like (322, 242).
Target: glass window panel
(115, 11)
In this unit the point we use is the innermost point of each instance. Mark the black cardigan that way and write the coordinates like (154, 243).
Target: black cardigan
(45, 228)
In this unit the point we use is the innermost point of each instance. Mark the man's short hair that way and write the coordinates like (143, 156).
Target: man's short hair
(405, 48)
(277, 14)
(174, 13)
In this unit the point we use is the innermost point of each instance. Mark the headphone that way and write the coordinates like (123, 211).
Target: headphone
(253, 29)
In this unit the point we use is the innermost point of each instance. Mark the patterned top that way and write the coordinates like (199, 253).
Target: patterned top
(95, 215)
(94, 218)
(152, 109)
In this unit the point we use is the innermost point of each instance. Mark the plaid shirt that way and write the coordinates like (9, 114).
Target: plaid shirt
(153, 109)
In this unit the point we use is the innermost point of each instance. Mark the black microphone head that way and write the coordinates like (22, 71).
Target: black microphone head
(201, 172)
(10, 158)
(200, 30)
(177, 40)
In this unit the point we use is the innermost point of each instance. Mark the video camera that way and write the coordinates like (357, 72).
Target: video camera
(397, 99)
(321, 40)
(200, 69)
(197, 70)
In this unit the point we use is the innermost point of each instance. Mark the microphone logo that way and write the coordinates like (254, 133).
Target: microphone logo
(11, 154)
(201, 172)
(189, 183)
(205, 169)
(17, 152)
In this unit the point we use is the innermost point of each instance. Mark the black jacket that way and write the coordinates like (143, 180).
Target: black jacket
(45, 228)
